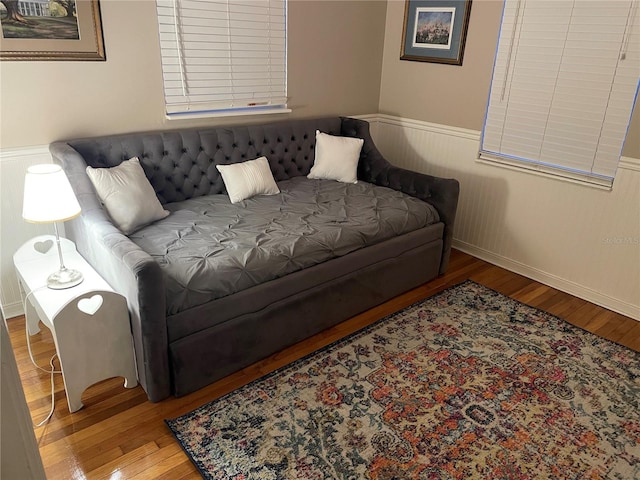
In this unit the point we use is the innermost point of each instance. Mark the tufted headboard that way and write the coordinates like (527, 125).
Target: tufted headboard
(181, 164)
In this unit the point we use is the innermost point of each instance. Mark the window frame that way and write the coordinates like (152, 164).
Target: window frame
(180, 63)
(502, 80)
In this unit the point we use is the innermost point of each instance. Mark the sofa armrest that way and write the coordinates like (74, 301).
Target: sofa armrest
(127, 268)
(442, 193)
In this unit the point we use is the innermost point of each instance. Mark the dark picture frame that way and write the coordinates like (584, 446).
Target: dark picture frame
(435, 30)
(39, 34)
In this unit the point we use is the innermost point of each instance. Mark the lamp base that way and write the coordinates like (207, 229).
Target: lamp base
(64, 278)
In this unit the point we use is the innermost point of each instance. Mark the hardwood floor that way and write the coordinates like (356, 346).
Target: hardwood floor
(119, 434)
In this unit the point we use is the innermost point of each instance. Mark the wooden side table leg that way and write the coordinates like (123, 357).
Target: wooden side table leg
(74, 394)
(129, 368)
(94, 342)
(31, 318)
(131, 381)
(73, 384)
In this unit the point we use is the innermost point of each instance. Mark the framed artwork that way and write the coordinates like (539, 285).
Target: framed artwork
(51, 30)
(435, 30)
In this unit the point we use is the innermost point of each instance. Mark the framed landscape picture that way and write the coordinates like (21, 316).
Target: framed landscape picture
(435, 30)
(51, 30)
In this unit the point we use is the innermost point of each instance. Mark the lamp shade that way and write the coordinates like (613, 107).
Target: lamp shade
(48, 196)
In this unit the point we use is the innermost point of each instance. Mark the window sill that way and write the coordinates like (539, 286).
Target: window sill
(600, 183)
(244, 112)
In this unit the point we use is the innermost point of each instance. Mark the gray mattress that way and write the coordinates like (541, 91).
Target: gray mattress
(209, 248)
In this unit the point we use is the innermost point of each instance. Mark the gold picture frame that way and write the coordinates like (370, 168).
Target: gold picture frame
(51, 30)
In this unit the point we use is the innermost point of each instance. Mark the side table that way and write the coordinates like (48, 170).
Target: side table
(89, 322)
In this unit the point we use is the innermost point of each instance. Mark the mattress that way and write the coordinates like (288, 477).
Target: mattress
(209, 248)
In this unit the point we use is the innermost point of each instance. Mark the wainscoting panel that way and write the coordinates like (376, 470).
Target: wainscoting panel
(14, 231)
(579, 239)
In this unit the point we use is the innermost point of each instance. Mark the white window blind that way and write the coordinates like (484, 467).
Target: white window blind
(564, 84)
(223, 55)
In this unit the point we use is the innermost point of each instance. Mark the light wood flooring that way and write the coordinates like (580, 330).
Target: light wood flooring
(120, 435)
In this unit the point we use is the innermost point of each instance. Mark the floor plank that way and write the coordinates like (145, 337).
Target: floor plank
(119, 434)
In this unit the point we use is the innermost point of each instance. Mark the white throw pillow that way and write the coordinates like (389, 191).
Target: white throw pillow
(246, 179)
(336, 158)
(127, 195)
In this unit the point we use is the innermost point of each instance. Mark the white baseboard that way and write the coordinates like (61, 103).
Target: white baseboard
(551, 280)
(14, 309)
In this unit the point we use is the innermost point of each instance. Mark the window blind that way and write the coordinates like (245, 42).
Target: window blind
(223, 55)
(564, 84)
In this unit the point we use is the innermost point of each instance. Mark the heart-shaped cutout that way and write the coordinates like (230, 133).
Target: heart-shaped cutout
(43, 247)
(90, 305)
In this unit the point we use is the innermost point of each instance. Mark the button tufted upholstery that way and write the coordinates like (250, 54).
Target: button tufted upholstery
(181, 164)
(260, 320)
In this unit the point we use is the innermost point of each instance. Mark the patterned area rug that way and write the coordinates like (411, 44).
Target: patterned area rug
(465, 384)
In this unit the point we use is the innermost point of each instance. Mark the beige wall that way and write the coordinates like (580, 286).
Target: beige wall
(448, 94)
(334, 68)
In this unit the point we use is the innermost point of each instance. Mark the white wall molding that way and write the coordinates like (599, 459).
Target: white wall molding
(27, 153)
(429, 127)
(629, 163)
(626, 163)
(369, 117)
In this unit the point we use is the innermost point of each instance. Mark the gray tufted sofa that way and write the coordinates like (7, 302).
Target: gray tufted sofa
(179, 353)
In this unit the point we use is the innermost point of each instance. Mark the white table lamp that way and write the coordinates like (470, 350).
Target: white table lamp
(49, 198)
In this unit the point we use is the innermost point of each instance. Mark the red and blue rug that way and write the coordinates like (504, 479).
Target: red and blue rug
(466, 384)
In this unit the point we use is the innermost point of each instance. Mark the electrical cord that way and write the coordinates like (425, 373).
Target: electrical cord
(52, 371)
